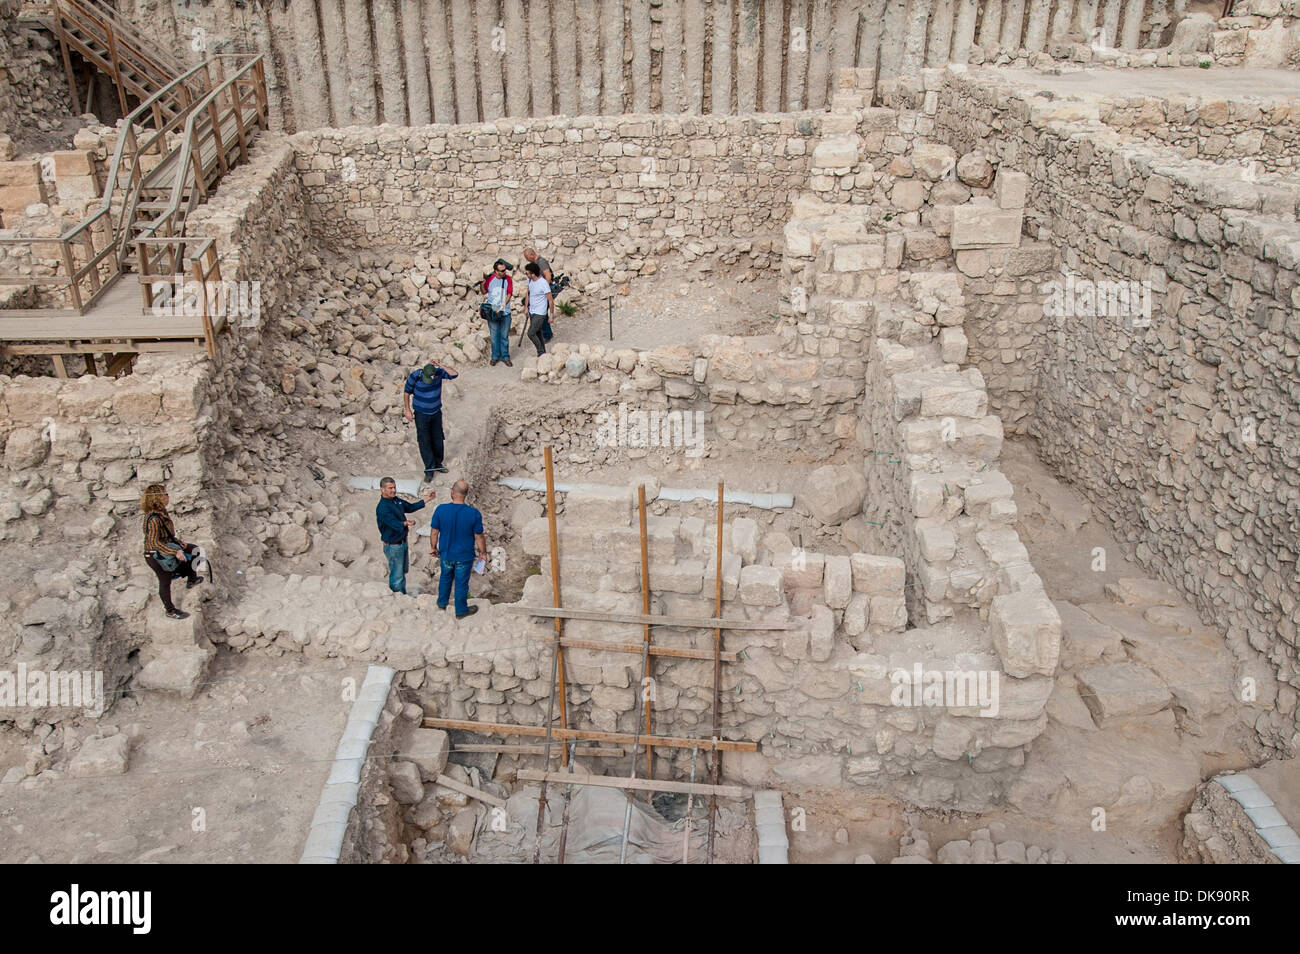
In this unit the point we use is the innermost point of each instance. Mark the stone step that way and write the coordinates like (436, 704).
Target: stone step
(181, 671)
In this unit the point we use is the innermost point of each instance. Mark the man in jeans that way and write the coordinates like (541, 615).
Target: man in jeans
(456, 537)
(539, 306)
(390, 514)
(499, 289)
(530, 255)
(423, 400)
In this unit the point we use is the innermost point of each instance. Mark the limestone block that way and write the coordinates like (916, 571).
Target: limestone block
(838, 581)
(974, 169)
(877, 575)
(181, 671)
(821, 633)
(800, 569)
(938, 542)
(856, 258)
(833, 494)
(953, 345)
(908, 195)
(961, 395)
(428, 749)
(933, 161)
(1026, 632)
(1114, 691)
(595, 507)
(888, 614)
(951, 739)
(404, 777)
(857, 614)
(1011, 189)
(836, 152)
(761, 586)
(982, 226)
(744, 538)
(107, 756)
(685, 576)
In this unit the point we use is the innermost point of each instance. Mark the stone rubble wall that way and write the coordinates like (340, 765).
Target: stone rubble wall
(1216, 830)
(1150, 423)
(33, 89)
(1258, 33)
(344, 62)
(568, 185)
(1263, 130)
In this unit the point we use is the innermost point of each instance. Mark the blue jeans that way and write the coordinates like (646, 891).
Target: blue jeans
(398, 564)
(547, 333)
(499, 332)
(460, 572)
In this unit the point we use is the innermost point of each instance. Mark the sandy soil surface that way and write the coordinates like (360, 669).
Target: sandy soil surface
(252, 751)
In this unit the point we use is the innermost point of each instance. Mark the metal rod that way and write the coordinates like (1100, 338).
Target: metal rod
(717, 679)
(611, 317)
(690, 806)
(636, 743)
(647, 683)
(555, 589)
(568, 797)
(541, 798)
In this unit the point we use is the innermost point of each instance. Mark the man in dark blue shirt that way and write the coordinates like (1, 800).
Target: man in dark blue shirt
(456, 537)
(390, 514)
(422, 397)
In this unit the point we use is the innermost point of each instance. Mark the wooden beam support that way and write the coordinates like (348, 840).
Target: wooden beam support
(506, 748)
(570, 642)
(588, 735)
(635, 784)
(685, 622)
(448, 782)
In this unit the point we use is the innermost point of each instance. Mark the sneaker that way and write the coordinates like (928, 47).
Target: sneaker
(440, 470)
(509, 363)
(469, 612)
(428, 476)
(493, 363)
(190, 584)
(442, 606)
(177, 614)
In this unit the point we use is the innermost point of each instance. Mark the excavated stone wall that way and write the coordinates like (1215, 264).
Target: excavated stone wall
(1182, 432)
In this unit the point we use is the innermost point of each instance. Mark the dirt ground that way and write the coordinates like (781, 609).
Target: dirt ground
(231, 776)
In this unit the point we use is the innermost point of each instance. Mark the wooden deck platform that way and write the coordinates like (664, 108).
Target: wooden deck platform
(118, 323)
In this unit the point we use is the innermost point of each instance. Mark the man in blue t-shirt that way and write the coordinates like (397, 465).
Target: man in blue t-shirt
(422, 397)
(456, 537)
(390, 514)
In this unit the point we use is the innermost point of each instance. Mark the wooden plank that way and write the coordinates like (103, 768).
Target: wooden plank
(635, 784)
(448, 782)
(686, 622)
(506, 748)
(587, 735)
(636, 648)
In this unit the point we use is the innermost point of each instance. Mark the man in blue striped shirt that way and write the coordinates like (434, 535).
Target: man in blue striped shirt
(423, 400)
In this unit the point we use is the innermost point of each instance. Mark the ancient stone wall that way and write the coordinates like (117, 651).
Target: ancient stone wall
(33, 91)
(562, 183)
(1182, 431)
(344, 62)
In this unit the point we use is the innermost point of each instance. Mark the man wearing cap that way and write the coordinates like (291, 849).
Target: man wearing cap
(423, 400)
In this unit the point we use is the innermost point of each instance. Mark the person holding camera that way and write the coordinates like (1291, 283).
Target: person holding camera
(499, 287)
(540, 303)
(164, 554)
(422, 397)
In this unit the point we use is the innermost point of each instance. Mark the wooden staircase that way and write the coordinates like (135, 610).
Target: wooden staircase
(189, 128)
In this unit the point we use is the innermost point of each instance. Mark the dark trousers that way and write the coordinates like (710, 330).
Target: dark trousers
(547, 333)
(184, 568)
(428, 432)
(536, 324)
